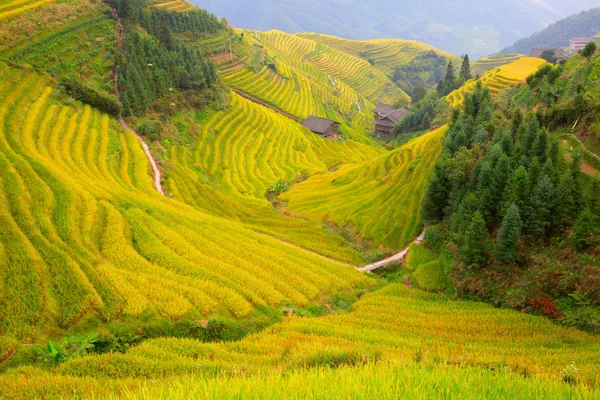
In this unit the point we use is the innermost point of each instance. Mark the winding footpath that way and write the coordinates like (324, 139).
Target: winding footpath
(393, 259)
(155, 169)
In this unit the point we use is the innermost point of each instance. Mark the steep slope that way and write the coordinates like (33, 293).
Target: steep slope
(379, 198)
(499, 79)
(393, 324)
(459, 27)
(79, 211)
(385, 54)
(558, 34)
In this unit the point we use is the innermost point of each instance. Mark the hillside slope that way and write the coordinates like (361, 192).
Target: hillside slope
(458, 27)
(393, 324)
(558, 34)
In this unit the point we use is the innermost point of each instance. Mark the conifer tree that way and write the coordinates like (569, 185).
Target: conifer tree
(585, 230)
(542, 204)
(519, 191)
(476, 245)
(465, 69)
(508, 236)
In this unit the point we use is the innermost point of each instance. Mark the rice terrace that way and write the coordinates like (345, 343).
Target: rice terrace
(191, 207)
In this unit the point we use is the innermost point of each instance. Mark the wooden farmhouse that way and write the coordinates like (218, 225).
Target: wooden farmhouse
(385, 125)
(323, 127)
(382, 110)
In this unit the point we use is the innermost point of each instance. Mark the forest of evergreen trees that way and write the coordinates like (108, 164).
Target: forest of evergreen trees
(156, 61)
(558, 34)
(497, 186)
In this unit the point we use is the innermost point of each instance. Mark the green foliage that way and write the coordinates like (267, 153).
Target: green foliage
(70, 347)
(79, 91)
(589, 50)
(508, 236)
(279, 187)
(465, 69)
(474, 251)
(150, 127)
(158, 62)
(418, 255)
(585, 230)
(423, 114)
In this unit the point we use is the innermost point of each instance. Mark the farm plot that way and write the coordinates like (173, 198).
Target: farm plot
(381, 198)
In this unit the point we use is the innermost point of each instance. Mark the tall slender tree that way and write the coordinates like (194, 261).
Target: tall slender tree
(509, 235)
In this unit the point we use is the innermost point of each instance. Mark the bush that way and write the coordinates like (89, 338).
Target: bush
(106, 103)
(150, 128)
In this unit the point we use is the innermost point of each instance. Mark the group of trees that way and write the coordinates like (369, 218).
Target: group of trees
(156, 61)
(451, 81)
(419, 73)
(426, 106)
(506, 182)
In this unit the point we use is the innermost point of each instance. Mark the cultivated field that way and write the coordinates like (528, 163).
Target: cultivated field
(495, 61)
(380, 198)
(425, 337)
(385, 53)
(83, 228)
(176, 5)
(500, 78)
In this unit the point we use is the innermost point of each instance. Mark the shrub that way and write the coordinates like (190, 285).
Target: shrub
(106, 103)
(150, 128)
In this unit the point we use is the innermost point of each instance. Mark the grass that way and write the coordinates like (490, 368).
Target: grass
(84, 233)
(381, 197)
(386, 54)
(499, 79)
(492, 62)
(453, 346)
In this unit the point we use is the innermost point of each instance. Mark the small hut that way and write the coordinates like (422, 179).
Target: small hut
(323, 127)
(385, 125)
(382, 110)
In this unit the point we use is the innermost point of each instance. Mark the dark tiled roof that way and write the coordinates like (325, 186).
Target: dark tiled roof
(383, 109)
(393, 118)
(318, 125)
(396, 115)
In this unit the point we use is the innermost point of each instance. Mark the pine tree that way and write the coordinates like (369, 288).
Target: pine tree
(436, 197)
(465, 69)
(542, 204)
(477, 244)
(585, 230)
(519, 191)
(508, 237)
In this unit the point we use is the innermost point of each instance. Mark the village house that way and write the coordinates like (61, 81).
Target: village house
(577, 44)
(385, 125)
(558, 54)
(324, 127)
(382, 110)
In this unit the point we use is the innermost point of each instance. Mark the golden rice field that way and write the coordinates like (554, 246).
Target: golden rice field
(380, 198)
(386, 53)
(499, 79)
(491, 62)
(296, 87)
(176, 5)
(424, 337)
(12, 8)
(353, 71)
(83, 230)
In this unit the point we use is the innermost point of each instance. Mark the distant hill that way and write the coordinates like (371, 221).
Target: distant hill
(558, 34)
(462, 26)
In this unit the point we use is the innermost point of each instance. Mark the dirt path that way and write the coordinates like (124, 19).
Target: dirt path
(332, 82)
(586, 149)
(358, 105)
(393, 259)
(155, 169)
(262, 103)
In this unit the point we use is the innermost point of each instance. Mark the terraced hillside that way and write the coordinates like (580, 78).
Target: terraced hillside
(386, 54)
(396, 323)
(176, 5)
(380, 198)
(12, 8)
(495, 61)
(500, 78)
(84, 231)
